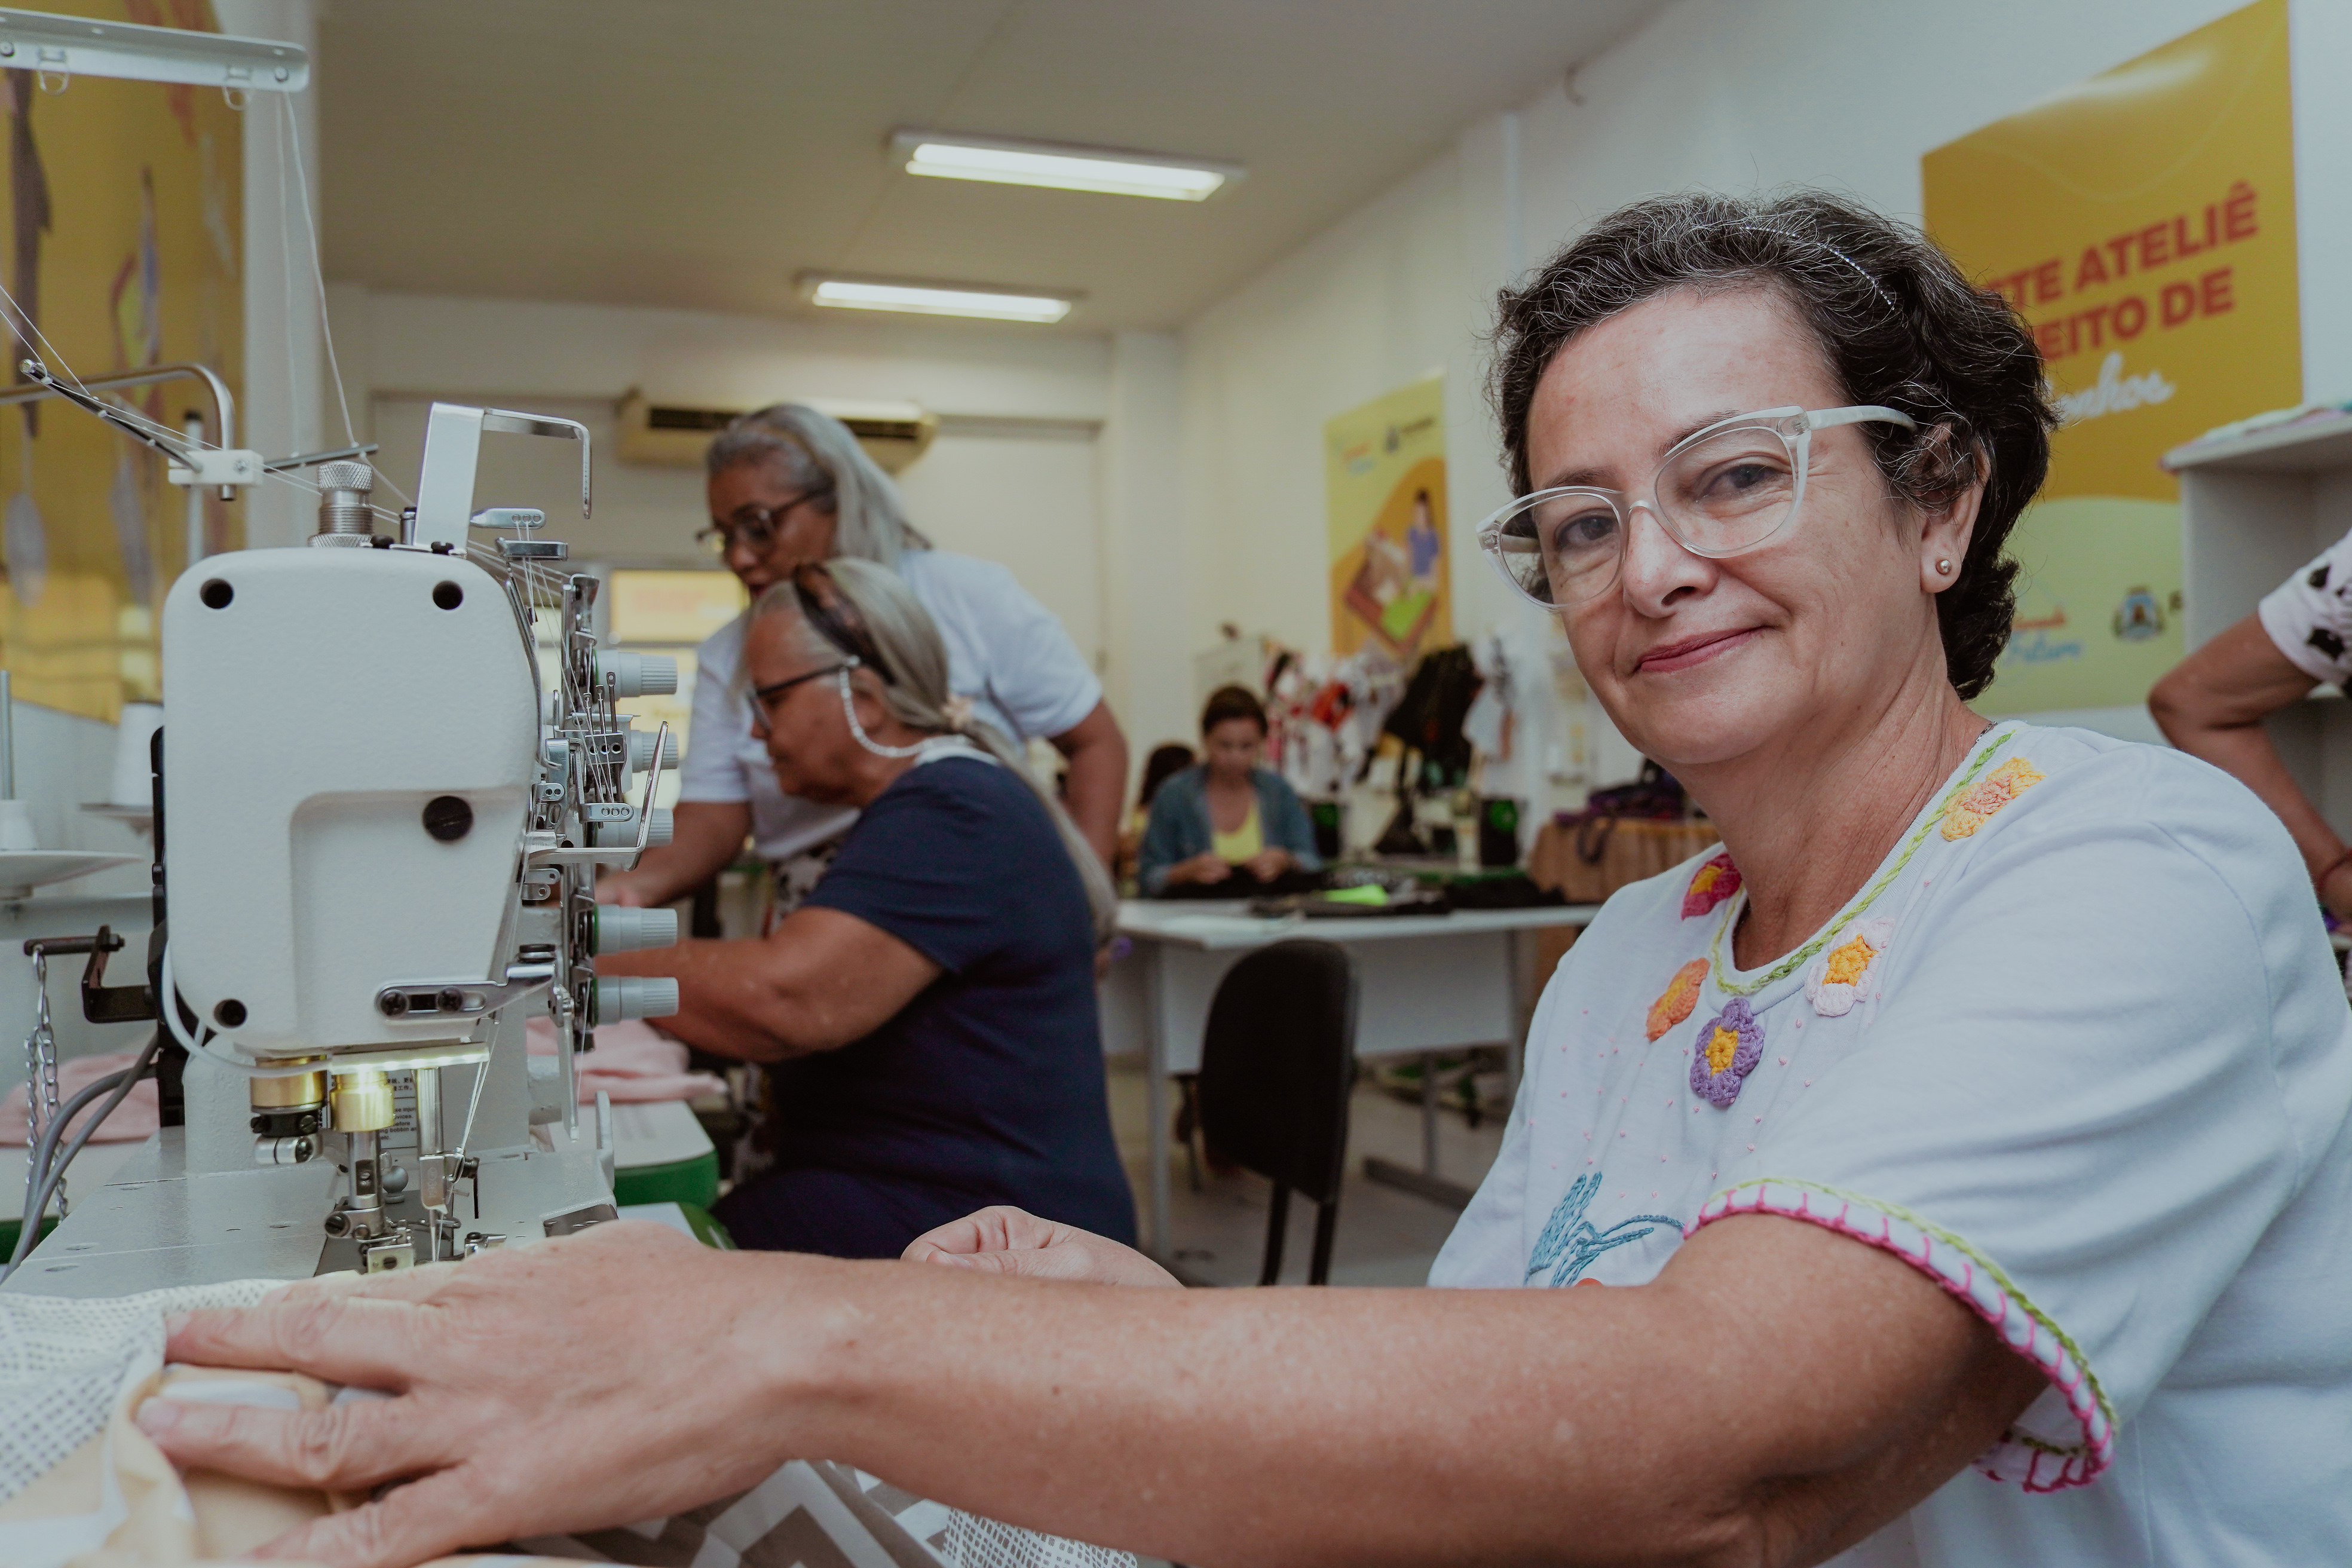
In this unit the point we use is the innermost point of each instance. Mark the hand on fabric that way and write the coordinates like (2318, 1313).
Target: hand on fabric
(1268, 864)
(1005, 1241)
(1207, 868)
(589, 1382)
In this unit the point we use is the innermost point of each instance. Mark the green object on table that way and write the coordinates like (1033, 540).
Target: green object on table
(693, 1183)
(1371, 893)
(10, 1229)
(707, 1230)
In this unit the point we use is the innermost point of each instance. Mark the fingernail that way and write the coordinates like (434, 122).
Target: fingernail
(175, 1323)
(158, 1417)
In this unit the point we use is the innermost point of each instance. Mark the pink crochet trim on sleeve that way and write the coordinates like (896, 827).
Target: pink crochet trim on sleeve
(2036, 1465)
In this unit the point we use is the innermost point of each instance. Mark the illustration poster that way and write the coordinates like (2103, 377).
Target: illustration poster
(2144, 221)
(1384, 489)
(119, 248)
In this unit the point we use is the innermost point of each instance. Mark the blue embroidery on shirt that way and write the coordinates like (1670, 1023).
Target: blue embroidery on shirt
(1570, 1241)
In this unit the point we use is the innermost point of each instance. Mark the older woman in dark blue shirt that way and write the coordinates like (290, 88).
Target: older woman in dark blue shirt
(1227, 817)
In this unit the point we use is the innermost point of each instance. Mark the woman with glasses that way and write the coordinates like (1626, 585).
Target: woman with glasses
(1961, 1152)
(929, 1006)
(787, 485)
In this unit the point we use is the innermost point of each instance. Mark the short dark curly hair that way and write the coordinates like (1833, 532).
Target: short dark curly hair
(1899, 323)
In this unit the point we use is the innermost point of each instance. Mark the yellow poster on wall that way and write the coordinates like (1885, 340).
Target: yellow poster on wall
(2144, 222)
(1384, 491)
(119, 249)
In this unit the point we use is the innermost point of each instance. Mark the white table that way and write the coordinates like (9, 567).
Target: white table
(1426, 983)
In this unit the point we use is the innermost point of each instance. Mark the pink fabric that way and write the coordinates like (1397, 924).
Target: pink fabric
(132, 1120)
(632, 1061)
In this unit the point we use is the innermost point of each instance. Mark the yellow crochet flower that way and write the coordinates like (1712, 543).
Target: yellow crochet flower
(1988, 795)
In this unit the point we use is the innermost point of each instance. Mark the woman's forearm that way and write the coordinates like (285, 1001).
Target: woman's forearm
(1097, 753)
(1357, 1427)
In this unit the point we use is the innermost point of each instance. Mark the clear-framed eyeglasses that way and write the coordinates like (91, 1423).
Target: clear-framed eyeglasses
(1721, 492)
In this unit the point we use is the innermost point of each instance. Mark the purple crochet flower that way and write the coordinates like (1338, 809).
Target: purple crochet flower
(1728, 1048)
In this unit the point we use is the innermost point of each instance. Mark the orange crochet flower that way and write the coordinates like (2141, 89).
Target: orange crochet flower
(1988, 794)
(1680, 996)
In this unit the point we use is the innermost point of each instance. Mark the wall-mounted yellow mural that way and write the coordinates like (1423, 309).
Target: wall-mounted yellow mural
(123, 249)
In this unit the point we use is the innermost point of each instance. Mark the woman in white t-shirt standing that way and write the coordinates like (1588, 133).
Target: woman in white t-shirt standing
(789, 485)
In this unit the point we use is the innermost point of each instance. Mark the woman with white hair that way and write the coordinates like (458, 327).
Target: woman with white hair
(789, 485)
(928, 1009)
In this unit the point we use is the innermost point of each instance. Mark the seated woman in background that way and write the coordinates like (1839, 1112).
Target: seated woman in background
(932, 1004)
(1228, 819)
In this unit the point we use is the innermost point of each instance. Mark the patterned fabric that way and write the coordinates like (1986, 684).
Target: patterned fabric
(2309, 616)
(1716, 879)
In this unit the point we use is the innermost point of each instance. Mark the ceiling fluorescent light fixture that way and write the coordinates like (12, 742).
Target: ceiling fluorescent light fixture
(936, 299)
(63, 48)
(1060, 166)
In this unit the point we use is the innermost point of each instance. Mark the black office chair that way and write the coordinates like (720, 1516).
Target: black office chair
(1277, 1063)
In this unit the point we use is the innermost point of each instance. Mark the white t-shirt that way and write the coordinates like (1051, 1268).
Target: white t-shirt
(1005, 651)
(2078, 1052)
(2309, 616)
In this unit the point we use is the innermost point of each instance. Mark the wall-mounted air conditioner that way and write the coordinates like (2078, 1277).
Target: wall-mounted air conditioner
(674, 435)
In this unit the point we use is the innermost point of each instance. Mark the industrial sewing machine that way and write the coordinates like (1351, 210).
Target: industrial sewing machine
(391, 766)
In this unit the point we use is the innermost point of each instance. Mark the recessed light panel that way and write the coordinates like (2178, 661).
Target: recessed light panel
(1059, 167)
(935, 300)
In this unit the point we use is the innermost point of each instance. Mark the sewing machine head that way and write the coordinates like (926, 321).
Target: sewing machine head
(381, 822)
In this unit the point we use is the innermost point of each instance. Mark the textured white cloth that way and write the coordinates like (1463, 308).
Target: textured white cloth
(67, 1367)
(2084, 1059)
(1005, 652)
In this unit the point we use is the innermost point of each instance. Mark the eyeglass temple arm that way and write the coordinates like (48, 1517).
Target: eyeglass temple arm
(1867, 414)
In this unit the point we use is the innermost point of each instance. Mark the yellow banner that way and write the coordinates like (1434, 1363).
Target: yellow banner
(1384, 488)
(123, 249)
(2144, 222)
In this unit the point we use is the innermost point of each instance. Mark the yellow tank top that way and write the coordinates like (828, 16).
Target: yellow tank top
(1240, 844)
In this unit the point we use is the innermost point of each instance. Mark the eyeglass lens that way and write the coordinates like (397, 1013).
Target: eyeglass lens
(1726, 493)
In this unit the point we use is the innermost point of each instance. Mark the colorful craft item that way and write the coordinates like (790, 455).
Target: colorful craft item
(1988, 794)
(1834, 979)
(1680, 996)
(1717, 881)
(1728, 1048)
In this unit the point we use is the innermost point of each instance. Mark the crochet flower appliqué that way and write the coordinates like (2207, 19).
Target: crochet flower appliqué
(1988, 794)
(1728, 1049)
(1680, 996)
(1834, 979)
(1717, 881)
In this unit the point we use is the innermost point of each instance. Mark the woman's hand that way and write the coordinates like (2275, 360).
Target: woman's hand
(1207, 868)
(572, 1384)
(1268, 864)
(2335, 890)
(1006, 1240)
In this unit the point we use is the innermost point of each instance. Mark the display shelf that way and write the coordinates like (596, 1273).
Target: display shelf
(2254, 509)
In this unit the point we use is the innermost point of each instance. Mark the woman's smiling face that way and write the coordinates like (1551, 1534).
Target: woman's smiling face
(1702, 661)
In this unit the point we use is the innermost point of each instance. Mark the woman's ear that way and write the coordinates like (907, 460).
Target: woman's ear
(1946, 530)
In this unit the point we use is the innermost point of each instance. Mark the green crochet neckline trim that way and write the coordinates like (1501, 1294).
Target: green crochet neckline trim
(1994, 739)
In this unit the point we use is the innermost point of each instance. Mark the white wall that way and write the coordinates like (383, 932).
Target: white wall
(1721, 93)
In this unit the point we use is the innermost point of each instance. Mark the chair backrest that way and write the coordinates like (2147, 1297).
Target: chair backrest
(1277, 1063)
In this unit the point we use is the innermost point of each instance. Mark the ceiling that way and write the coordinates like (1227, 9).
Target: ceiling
(700, 153)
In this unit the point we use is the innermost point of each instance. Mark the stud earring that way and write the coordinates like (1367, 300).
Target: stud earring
(1942, 566)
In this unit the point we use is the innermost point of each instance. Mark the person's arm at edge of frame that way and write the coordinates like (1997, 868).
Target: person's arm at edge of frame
(1776, 1394)
(2211, 705)
(821, 979)
(1096, 749)
(705, 838)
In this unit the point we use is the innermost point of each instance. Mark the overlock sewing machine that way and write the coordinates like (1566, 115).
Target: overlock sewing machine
(390, 768)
